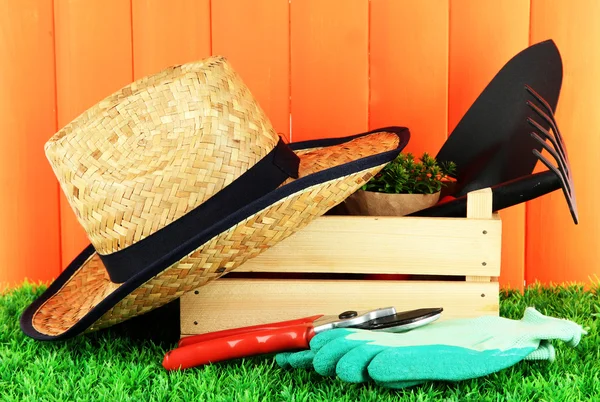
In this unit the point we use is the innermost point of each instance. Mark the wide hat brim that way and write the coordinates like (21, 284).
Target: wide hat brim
(84, 298)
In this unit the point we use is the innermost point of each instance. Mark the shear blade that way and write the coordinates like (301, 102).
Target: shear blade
(403, 321)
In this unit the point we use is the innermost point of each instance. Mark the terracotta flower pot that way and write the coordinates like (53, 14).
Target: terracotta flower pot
(383, 204)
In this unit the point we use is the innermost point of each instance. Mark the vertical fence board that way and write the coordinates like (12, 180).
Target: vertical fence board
(29, 244)
(483, 37)
(557, 249)
(258, 49)
(424, 73)
(329, 68)
(409, 70)
(93, 59)
(167, 32)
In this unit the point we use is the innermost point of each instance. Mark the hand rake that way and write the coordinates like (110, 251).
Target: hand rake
(528, 187)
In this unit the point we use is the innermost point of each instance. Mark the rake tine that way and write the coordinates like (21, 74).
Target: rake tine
(556, 141)
(549, 111)
(567, 191)
(556, 170)
(559, 143)
(549, 116)
(560, 155)
(564, 170)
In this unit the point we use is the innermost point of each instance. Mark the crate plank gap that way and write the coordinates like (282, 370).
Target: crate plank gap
(454, 263)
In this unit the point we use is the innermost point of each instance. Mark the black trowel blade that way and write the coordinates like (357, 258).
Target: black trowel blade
(491, 143)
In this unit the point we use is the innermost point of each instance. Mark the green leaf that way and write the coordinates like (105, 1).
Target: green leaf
(407, 175)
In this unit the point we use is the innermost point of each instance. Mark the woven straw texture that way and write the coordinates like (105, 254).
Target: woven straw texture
(90, 284)
(158, 148)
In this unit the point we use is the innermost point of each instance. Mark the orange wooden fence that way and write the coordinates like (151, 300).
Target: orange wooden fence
(331, 67)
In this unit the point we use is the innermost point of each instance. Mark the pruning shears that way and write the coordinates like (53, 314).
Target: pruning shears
(290, 335)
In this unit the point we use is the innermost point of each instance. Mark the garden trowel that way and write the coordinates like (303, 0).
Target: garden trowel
(491, 143)
(527, 187)
(500, 139)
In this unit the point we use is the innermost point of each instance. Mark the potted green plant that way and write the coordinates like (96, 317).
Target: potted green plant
(403, 186)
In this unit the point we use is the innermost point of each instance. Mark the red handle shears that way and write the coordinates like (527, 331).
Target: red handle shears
(282, 336)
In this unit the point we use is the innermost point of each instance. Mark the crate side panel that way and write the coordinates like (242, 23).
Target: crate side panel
(230, 303)
(387, 245)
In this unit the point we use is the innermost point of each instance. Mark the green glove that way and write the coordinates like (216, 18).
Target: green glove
(450, 350)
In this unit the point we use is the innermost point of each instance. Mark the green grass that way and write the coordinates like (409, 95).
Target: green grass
(124, 363)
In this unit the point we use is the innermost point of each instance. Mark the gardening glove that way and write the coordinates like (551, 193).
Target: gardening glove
(451, 350)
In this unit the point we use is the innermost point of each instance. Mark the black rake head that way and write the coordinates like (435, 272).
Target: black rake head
(558, 150)
(530, 186)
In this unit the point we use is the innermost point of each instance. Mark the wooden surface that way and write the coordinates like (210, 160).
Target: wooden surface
(30, 239)
(408, 69)
(93, 59)
(231, 303)
(338, 67)
(159, 26)
(557, 250)
(258, 48)
(387, 245)
(483, 37)
(329, 68)
(479, 204)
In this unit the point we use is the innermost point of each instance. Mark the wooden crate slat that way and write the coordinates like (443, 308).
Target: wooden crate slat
(230, 303)
(387, 245)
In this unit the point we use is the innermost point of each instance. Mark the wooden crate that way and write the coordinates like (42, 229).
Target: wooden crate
(337, 263)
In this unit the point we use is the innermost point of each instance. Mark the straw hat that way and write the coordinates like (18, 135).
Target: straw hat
(177, 179)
